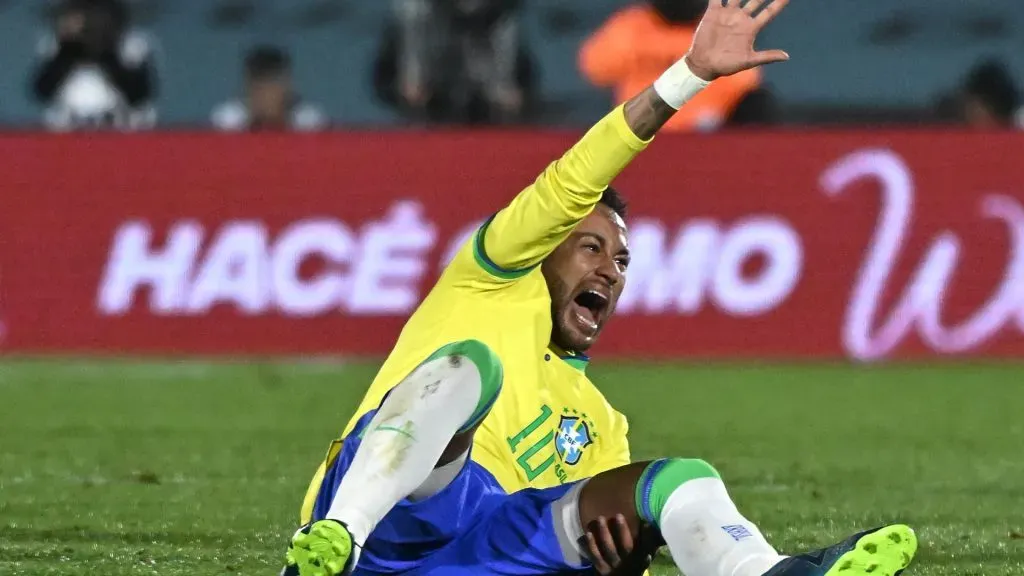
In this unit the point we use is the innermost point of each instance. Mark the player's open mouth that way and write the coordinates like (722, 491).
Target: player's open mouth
(589, 307)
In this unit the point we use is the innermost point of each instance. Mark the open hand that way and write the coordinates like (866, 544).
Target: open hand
(724, 41)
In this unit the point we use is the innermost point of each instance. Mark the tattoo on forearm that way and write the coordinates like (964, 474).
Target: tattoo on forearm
(646, 113)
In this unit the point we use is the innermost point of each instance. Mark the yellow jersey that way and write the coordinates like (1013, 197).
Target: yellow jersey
(550, 424)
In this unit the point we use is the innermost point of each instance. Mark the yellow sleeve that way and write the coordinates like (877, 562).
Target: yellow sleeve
(521, 235)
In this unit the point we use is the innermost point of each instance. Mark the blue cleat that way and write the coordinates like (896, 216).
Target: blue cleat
(880, 552)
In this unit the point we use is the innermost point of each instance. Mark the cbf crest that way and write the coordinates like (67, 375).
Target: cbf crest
(574, 435)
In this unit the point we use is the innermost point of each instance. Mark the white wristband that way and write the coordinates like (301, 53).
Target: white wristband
(678, 84)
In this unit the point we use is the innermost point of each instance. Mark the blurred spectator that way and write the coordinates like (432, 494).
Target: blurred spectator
(94, 72)
(948, 110)
(990, 97)
(757, 108)
(270, 101)
(455, 61)
(638, 43)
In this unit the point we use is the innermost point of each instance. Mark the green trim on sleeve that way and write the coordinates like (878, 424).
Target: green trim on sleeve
(484, 261)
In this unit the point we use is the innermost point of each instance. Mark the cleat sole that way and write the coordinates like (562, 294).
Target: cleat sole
(884, 552)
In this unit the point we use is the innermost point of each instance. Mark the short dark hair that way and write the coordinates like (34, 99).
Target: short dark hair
(118, 10)
(612, 199)
(991, 82)
(263, 61)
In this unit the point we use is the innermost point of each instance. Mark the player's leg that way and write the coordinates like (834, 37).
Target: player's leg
(541, 532)
(708, 536)
(414, 446)
(425, 422)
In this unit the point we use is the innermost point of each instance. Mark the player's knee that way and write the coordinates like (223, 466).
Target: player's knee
(487, 364)
(685, 469)
(661, 478)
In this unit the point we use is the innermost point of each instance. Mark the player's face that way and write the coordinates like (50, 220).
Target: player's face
(585, 276)
(269, 98)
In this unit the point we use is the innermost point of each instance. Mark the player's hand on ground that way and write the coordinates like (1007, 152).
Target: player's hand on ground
(724, 41)
(612, 549)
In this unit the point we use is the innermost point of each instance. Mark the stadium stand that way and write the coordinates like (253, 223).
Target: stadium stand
(847, 60)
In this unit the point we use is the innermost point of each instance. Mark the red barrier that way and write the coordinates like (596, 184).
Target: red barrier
(867, 245)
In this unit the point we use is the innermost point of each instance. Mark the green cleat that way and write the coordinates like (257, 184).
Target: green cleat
(880, 552)
(324, 548)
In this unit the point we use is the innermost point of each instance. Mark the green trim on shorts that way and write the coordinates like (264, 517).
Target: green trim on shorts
(490, 266)
(491, 375)
(661, 478)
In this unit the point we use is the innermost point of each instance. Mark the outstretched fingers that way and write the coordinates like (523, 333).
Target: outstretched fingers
(769, 57)
(752, 5)
(770, 11)
(766, 14)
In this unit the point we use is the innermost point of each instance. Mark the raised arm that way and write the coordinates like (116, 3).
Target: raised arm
(521, 235)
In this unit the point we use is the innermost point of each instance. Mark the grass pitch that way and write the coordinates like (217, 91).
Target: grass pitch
(188, 469)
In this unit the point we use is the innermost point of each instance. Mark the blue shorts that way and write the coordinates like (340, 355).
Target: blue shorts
(472, 527)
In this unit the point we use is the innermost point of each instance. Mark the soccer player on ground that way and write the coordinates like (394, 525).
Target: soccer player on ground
(481, 446)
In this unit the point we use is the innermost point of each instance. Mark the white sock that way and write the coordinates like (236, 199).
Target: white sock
(404, 441)
(439, 478)
(708, 536)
